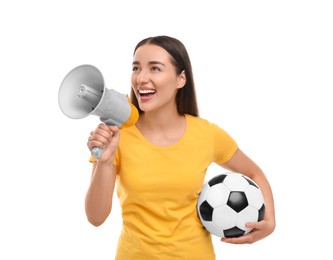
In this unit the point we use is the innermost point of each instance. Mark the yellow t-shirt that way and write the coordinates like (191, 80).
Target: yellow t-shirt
(158, 189)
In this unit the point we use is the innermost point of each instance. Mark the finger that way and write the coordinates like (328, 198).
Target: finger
(246, 239)
(99, 140)
(114, 129)
(255, 225)
(105, 132)
(233, 240)
(103, 126)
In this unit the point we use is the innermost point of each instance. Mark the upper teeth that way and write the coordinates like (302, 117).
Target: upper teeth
(146, 91)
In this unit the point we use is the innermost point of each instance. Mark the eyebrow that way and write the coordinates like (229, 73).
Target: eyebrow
(150, 63)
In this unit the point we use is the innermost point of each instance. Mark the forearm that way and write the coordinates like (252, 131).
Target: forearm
(257, 175)
(243, 164)
(98, 202)
(266, 190)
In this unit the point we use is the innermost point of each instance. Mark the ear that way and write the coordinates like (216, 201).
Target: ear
(181, 81)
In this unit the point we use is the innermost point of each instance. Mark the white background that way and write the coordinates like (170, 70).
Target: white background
(263, 72)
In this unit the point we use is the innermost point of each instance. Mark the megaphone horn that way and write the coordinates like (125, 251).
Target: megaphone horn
(82, 93)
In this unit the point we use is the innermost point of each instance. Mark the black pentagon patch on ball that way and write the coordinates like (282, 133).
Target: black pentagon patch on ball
(217, 179)
(233, 232)
(206, 211)
(237, 201)
(261, 213)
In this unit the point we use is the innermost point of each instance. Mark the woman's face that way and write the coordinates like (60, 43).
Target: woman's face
(154, 79)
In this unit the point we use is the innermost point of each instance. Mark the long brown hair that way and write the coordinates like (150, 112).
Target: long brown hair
(186, 98)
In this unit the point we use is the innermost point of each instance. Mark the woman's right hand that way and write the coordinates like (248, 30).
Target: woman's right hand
(106, 137)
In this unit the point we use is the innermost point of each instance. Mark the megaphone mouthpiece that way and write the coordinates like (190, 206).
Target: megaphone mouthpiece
(90, 95)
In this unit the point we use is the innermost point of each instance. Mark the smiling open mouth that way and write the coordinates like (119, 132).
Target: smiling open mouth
(146, 92)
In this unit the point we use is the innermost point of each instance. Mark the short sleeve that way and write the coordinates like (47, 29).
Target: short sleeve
(224, 145)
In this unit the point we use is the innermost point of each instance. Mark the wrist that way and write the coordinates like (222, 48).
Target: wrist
(93, 159)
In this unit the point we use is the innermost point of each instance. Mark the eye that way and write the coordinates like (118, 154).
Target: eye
(135, 68)
(155, 68)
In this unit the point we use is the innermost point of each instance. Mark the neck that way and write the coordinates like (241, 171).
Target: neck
(162, 129)
(158, 121)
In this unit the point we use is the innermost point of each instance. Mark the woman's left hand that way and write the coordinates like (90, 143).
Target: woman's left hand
(260, 230)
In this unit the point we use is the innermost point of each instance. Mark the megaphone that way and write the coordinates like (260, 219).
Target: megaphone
(82, 93)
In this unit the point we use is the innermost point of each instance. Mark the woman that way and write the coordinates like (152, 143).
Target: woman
(160, 163)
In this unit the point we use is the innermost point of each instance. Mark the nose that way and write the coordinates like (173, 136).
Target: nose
(143, 77)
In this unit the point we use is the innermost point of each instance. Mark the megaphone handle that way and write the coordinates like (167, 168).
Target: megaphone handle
(97, 152)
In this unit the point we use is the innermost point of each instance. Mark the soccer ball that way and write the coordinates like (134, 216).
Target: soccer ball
(227, 202)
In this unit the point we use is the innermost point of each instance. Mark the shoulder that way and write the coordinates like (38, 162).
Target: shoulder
(200, 123)
(207, 127)
(196, 120)
(129, 133)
